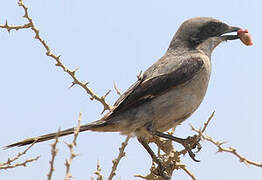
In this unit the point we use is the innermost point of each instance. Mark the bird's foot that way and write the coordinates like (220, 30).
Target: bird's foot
(190, 143)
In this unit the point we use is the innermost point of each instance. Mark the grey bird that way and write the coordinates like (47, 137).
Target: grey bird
(168, 92)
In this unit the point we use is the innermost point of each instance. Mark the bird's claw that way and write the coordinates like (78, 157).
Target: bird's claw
(199, 147)
(192, 155)
(191, 143)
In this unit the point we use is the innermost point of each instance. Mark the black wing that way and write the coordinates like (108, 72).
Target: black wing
(148, 88)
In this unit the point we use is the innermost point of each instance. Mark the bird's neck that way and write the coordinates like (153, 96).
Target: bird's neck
(180, 46)
(209, 45)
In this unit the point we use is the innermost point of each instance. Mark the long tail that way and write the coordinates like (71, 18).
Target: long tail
(96, 126)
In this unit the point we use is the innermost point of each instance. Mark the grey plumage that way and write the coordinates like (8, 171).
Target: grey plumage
(170, 90)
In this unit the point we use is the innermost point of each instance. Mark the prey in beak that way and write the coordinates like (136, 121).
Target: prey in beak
(241, 34)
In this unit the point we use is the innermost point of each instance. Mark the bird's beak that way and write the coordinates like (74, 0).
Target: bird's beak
(230, 29)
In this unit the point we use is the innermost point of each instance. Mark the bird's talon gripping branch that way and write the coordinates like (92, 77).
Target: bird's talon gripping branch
(194, 142)
(192, 155)
(199, 147)
(191, 143)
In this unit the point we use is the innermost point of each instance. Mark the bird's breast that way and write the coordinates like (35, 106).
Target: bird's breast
(173, 107)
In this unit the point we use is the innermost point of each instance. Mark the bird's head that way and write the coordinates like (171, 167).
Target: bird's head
(202, 33)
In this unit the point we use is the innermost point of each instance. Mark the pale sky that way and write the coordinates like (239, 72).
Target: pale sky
(113, 41)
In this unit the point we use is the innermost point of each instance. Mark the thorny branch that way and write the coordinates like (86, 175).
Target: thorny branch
(49, 53)
(71, 146)
(10, 27)
(171, 157)
(230, 150)
(184, 168)
(8, 163)
(119, 157)
(98, 172)
(54, 151)
(117, 89)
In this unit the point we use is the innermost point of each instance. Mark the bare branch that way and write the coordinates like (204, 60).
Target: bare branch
(230, 150)
(8, 163)
(9, 166)
(17, 27)
(206, 123)
(119, 157)
(183, 167)
(71, 146)
(201, 131)
(98, 172)
(219, 145)
(117, 90)
(140, 75)
(54, 151)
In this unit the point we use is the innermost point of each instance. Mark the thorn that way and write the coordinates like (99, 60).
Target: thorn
(37, 31)
(103, 97)
(232, 149)
(66, 162)
(103, 110)
(139, 76)
(73, 83)
(74, 155)
(20, 3)
(92, 98)
(117, 90)
(219, 150)
(70, 146)
(221, 143)
(74, 71)
(58, 64)
(191, 126)
(48, 53)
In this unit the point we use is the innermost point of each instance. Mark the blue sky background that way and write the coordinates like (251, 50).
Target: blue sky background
(112, 41)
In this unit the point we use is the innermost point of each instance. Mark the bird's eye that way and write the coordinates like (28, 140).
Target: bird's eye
(195, 40)
(211, 29)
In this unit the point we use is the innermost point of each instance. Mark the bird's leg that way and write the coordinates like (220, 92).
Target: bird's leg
(154, 158)
(189, 143)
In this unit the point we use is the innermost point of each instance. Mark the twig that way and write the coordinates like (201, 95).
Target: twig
(7, 164)
(71, 146)
(119, 157)
(183, 167)
(206, 123)
(230, 150)
(54, 151)
(200, 131)
(117, 90)
(98, 172)
(10, 27)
